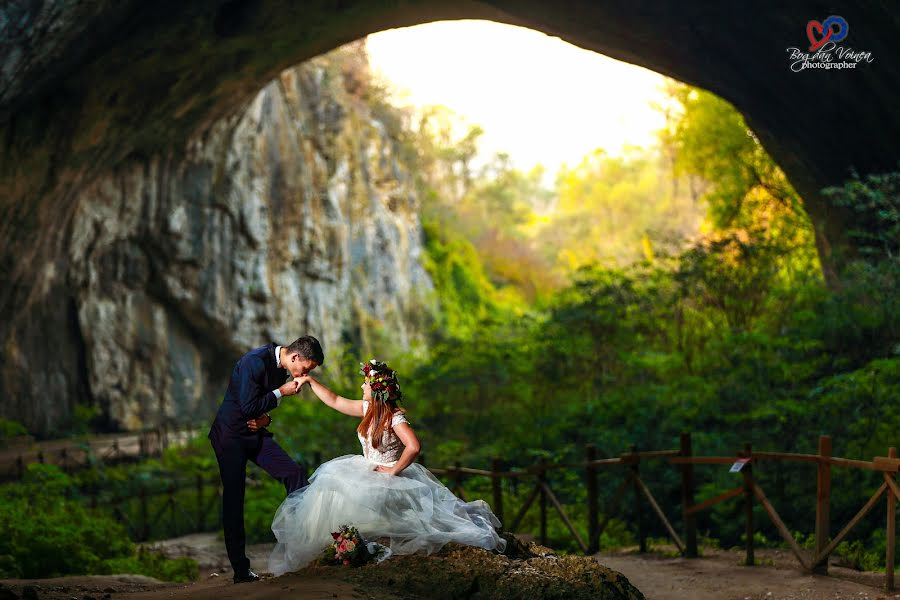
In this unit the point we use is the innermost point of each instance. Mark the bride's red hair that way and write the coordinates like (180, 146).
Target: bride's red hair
(377, 420)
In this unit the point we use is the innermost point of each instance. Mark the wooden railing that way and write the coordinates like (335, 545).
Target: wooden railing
(207, 494)
(107, 449)
(183, 504)
(684, 460)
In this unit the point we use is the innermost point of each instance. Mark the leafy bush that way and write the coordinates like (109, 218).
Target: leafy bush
(10, 429)
(46, 534)
(153, 564)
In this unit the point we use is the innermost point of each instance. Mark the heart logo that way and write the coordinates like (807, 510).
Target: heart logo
(826, 35)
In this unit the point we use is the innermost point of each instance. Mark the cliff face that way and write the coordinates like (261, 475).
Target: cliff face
(293, 216)
(85, 83)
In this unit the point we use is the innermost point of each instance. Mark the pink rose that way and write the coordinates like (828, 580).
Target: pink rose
(346, 562)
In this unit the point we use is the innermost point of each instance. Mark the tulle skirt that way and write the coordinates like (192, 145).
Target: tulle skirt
(410, 512)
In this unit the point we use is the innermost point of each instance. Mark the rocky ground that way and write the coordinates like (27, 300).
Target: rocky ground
(529, 572)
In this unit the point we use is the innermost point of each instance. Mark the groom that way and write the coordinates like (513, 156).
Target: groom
(239, 432)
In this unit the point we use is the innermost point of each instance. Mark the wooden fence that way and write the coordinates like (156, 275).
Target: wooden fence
(684, 460)
(195, 500)
(107, 449)
(183, 504)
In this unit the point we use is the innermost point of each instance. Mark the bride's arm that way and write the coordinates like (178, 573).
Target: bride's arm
(339, 403)
(410, 450)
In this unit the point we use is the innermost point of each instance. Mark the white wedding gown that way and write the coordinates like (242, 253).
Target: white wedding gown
(409, 512)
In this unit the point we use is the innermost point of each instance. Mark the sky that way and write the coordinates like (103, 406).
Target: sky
(538, 98)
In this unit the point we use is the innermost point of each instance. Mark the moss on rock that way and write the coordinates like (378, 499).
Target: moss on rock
(466, 572)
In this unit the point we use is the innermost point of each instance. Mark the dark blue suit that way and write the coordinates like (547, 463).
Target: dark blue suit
(249, 395)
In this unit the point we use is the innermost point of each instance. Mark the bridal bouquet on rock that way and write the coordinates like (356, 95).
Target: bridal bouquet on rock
(348, 548)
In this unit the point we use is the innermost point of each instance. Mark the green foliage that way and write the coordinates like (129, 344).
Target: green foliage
(618, 210)
(735, 339)
(9, 429)
(45, 534)
(466, 294)
(874, 205)
(744, 188)
(81, 421)
(859, 557)
(670, 289)
(153, 564)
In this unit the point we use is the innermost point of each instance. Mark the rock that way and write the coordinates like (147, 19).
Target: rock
(30, 592)
(8, 593)
(292, 216)
(86, 87)
(466, 572)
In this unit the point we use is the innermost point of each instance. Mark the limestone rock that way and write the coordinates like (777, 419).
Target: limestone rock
(293, 216)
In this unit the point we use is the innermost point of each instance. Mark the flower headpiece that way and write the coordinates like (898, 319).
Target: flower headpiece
(382, 379)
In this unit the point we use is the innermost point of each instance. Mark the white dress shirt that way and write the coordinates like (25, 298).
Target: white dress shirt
(276, 391)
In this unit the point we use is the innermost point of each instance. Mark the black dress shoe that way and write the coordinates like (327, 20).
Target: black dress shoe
(246, 577)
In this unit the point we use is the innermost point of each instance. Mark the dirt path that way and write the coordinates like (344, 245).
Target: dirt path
(215, 588)
(719, 575)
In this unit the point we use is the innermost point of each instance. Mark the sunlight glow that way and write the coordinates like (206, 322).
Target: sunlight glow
(538, 98)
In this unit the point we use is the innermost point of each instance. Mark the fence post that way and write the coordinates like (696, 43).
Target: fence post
(593, 503)
(145, 524)
(41, 457)
(823, 501)
(542, 476)
(201, 514)
(747, 473)
(687, 498)
(457, 478)
(497, 485)
(20, 467)
(891, 532)
(636, 473)
(173, 519)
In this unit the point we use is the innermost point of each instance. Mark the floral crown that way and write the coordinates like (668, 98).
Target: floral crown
(382, 379)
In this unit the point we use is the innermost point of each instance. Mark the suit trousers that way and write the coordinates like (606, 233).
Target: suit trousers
(233, 458)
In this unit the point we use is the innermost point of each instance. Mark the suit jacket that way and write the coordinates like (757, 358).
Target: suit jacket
(249, 395)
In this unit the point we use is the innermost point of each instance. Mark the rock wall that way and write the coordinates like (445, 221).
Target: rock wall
(293, 216)
(85, 82)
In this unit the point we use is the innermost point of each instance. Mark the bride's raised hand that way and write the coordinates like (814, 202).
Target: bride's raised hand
(301, 380)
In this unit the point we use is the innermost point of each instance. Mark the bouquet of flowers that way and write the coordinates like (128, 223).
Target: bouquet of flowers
(350, 549)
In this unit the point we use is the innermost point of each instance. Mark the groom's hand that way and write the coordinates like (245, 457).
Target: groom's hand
(259, 422)
(290, 388)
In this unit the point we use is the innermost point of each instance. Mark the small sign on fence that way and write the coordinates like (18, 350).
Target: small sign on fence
(738, 465)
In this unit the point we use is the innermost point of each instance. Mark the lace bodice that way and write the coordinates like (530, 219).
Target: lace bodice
(391, 447)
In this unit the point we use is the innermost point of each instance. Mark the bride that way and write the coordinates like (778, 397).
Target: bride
(382, 492)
